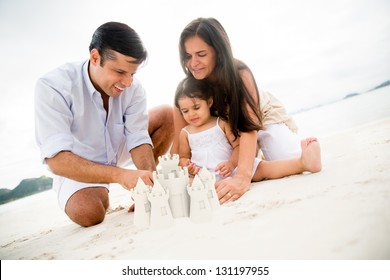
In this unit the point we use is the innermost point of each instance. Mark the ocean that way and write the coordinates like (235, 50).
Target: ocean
(345, 113)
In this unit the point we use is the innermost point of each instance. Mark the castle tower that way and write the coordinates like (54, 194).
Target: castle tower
(142, 204)
(161, 215)
(168, 164)
(200, 210)
(208, 180)
(176, 183)
(175, 179)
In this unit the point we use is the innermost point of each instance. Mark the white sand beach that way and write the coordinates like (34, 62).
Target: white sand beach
(341, 213)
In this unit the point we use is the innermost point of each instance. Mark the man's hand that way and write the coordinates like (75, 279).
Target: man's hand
(129, 178)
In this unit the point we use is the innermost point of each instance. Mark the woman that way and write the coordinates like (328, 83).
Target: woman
(257, 119)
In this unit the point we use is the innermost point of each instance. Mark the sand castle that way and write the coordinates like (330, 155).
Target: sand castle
(172, 196)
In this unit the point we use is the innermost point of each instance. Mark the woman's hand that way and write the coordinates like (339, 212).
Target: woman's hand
(232, 188)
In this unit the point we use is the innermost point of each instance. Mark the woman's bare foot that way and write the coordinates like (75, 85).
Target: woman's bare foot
(311, 154)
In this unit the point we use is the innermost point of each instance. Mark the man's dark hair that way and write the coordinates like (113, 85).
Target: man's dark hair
(119, 37)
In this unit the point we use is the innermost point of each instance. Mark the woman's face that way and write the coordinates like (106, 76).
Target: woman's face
(201, 58)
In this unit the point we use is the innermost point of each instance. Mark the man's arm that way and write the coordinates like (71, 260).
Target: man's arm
(143, 157)
(72, 166)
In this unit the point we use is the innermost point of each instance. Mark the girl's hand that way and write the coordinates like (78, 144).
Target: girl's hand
(193, 169)
(225, 168)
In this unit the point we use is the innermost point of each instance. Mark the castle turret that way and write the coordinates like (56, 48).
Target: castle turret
(175, 179)
(168, 164)
(200, 210)
(161, 215)
(142, 204)
(208, 180)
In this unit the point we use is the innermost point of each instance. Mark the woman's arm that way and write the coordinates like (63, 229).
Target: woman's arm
(235, 187)
(247, 154)
(248, 140)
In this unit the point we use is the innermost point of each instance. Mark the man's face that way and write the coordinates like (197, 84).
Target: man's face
(115, 74)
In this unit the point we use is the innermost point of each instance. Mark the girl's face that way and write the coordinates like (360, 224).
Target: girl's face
(195, 111)
(201, 58)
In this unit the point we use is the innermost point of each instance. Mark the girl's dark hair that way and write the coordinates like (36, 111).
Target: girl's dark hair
(193, 88)
(233, 97)
(119, 37)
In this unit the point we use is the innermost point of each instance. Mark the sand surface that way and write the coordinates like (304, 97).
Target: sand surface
(343, 212)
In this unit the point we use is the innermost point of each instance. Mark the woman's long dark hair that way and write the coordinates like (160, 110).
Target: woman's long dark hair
(232, 97)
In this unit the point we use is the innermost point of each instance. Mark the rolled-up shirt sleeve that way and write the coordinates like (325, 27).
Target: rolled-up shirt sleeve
(53, 119)
(136, 119)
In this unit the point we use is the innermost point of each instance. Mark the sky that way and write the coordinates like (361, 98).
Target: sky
(304, 52)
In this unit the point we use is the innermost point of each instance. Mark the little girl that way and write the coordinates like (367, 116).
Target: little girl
(207, 141)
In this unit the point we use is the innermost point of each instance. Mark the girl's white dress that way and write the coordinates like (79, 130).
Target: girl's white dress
(211, 147)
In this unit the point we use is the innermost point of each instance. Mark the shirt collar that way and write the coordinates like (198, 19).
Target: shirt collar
(88, 83)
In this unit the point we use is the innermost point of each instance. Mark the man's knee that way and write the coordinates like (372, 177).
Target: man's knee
(168, 113)
(87, 218)
(87, 207)
(161, 116)
(168, 119)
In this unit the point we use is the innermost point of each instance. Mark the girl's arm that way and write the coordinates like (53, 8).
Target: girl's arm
(184, 149)
(179, 123)
(185, 154)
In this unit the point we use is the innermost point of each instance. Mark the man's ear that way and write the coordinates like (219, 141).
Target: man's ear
(94, 57)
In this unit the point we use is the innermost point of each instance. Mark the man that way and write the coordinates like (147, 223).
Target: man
(91, 119)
